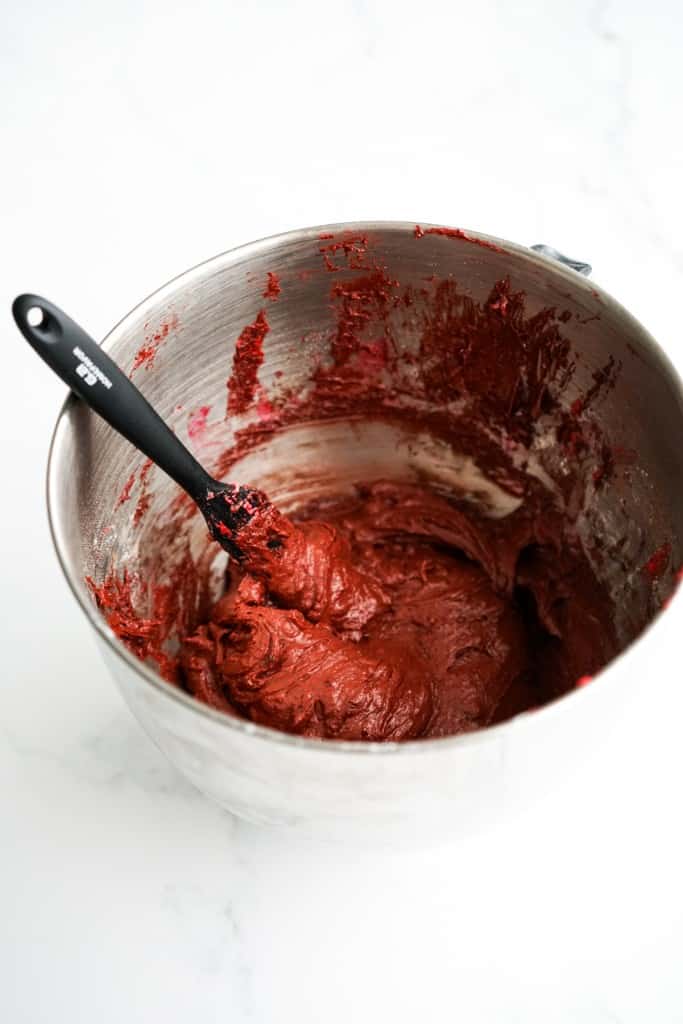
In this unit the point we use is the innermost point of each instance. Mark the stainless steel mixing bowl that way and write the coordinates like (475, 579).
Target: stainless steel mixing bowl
(418, 788)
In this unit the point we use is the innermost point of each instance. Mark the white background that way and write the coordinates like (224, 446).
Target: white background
(139, 138)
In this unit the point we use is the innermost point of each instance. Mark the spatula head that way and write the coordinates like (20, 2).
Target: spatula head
(227, 509)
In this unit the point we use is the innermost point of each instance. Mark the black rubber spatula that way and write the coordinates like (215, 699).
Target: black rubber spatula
(89, 371)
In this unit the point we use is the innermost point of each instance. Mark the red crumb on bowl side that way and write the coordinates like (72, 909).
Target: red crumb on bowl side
(273, 287)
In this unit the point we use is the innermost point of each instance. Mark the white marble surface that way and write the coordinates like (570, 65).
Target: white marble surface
(140, 138)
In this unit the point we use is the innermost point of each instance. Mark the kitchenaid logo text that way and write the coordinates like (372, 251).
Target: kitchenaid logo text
(88, 371)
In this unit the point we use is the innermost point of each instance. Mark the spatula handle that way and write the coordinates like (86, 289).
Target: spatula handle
(81, 363)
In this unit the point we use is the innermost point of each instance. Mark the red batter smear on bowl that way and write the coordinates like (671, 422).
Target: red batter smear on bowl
(196, 422)
(147, 352)
(145, 497)
(170, 607)
(359, 303)
(456, 233)
(144, 636)
(658, 561)
(348, 246)
(142, 507)
(124, 496)
(245, 365)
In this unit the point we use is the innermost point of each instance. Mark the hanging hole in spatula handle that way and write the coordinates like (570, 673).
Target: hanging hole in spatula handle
(96, 378)
(67, 348)
(36, 318)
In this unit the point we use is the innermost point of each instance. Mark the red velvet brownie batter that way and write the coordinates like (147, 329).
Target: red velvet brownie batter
(394, 615)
